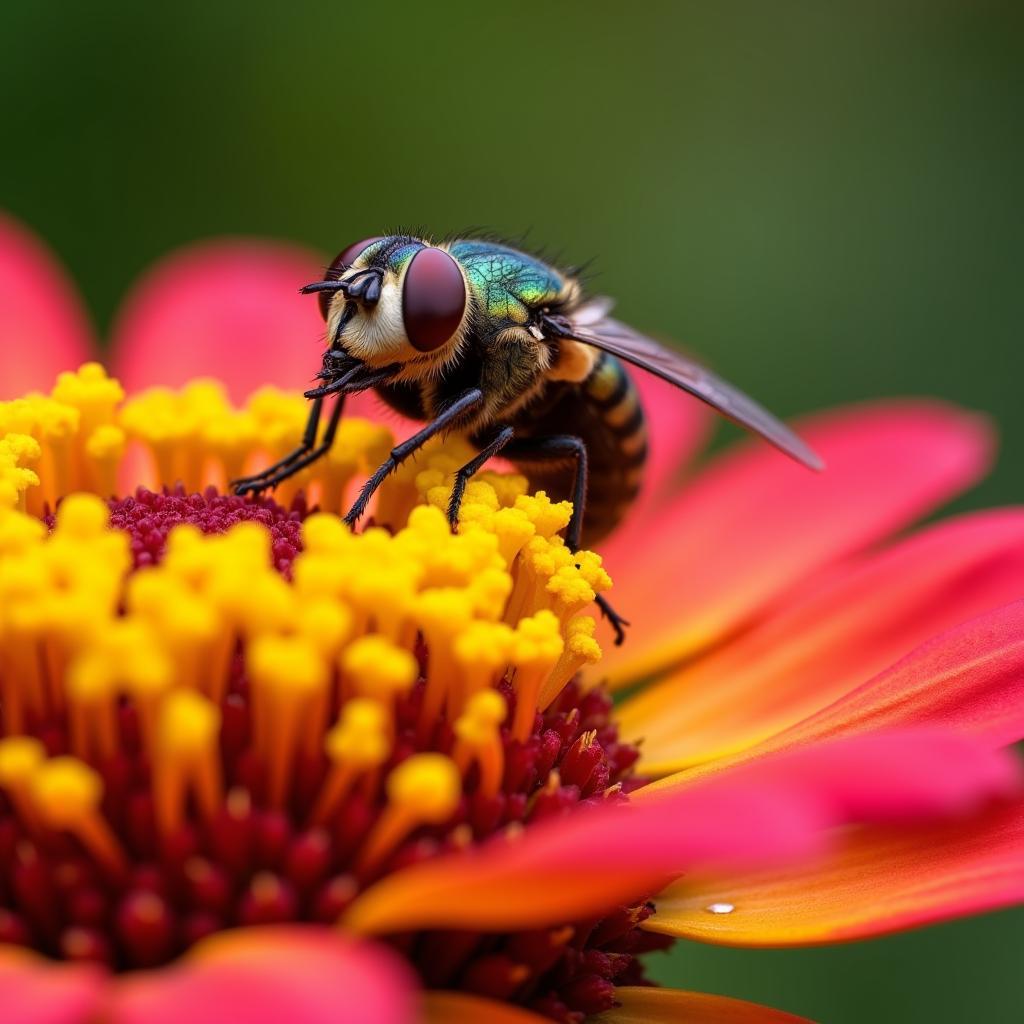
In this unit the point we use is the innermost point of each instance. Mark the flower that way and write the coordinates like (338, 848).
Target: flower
(227, 713)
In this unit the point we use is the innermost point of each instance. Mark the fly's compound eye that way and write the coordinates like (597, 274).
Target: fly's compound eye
(341, 263)
(433, 299)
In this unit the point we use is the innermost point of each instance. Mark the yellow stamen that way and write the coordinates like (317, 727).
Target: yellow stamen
(536, 648)
(289, 681)
(478, 739)
(357, 746)
(66, 794)
(186, 757)
(442, 614)
(482, 652)
(580, 649)
(374, 667)
(423, 790)
(20, 758)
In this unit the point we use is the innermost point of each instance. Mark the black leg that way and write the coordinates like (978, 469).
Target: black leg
(302, 456)
(465, 474)
(560, 446)
(567, 446)
(257, 481)
(401, 452)
(615, 620)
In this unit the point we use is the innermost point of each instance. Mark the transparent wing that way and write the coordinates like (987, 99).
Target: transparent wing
(610, 335)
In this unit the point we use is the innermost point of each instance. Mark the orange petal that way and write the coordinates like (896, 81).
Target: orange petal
(755, 524)
(459, 1008)
(880, 881)
(269, 975)
(781, 809)
(828, 640)
(34, 990)
(42, 322)
(229, 309)
(670, 1006)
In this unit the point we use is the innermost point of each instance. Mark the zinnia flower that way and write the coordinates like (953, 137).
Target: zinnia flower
(253, 766)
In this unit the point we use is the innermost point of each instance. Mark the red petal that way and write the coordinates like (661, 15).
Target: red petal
(297, 974)
(42, 322)
(780, 808)
(969, 679)
(225, 309)
(668, 1006)
(879, 881)
(34, 990)
(755, 524)
(831, 638)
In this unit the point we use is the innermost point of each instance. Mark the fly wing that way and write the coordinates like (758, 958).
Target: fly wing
(622, 341)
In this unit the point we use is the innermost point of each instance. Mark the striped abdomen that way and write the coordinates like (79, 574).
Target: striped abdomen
(605, 411)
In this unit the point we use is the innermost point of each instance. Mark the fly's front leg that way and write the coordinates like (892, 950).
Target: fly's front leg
(465, 474)
(260, 481)
(568, 446)
(444, 420)
(307, 452)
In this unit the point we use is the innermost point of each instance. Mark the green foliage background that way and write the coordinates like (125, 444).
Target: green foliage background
(824, 198)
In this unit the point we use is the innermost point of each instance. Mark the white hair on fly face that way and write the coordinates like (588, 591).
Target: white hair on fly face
(376, 335)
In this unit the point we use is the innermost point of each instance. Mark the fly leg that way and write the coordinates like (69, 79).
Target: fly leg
(445, 419)
(260, 481)
(565, 447)
(465, 474)
(308, 451)
(559, 448)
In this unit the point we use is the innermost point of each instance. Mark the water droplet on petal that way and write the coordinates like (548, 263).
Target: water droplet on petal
(720, 908)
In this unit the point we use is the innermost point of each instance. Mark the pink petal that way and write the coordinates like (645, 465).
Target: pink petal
(43, 325)
(34, 990)
(969, 679)
(830, 638)
(306, 975)
(780, 809)
(756, 523)
(226, 308)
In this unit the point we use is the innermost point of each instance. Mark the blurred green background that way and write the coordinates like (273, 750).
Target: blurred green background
(824, 198)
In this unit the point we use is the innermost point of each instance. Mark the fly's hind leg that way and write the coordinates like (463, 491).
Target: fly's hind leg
(564, 447)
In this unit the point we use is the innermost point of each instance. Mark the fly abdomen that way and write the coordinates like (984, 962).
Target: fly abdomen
(604, 410)
(617, 445)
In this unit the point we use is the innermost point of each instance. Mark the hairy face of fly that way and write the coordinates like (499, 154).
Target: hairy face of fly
(419, 320)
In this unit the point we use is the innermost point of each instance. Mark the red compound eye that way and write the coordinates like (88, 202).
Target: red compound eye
(433, 299)
(341, 263)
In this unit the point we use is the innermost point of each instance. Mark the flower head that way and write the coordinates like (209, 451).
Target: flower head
(253, 763)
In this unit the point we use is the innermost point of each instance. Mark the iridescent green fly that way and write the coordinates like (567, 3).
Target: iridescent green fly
(476, 336)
